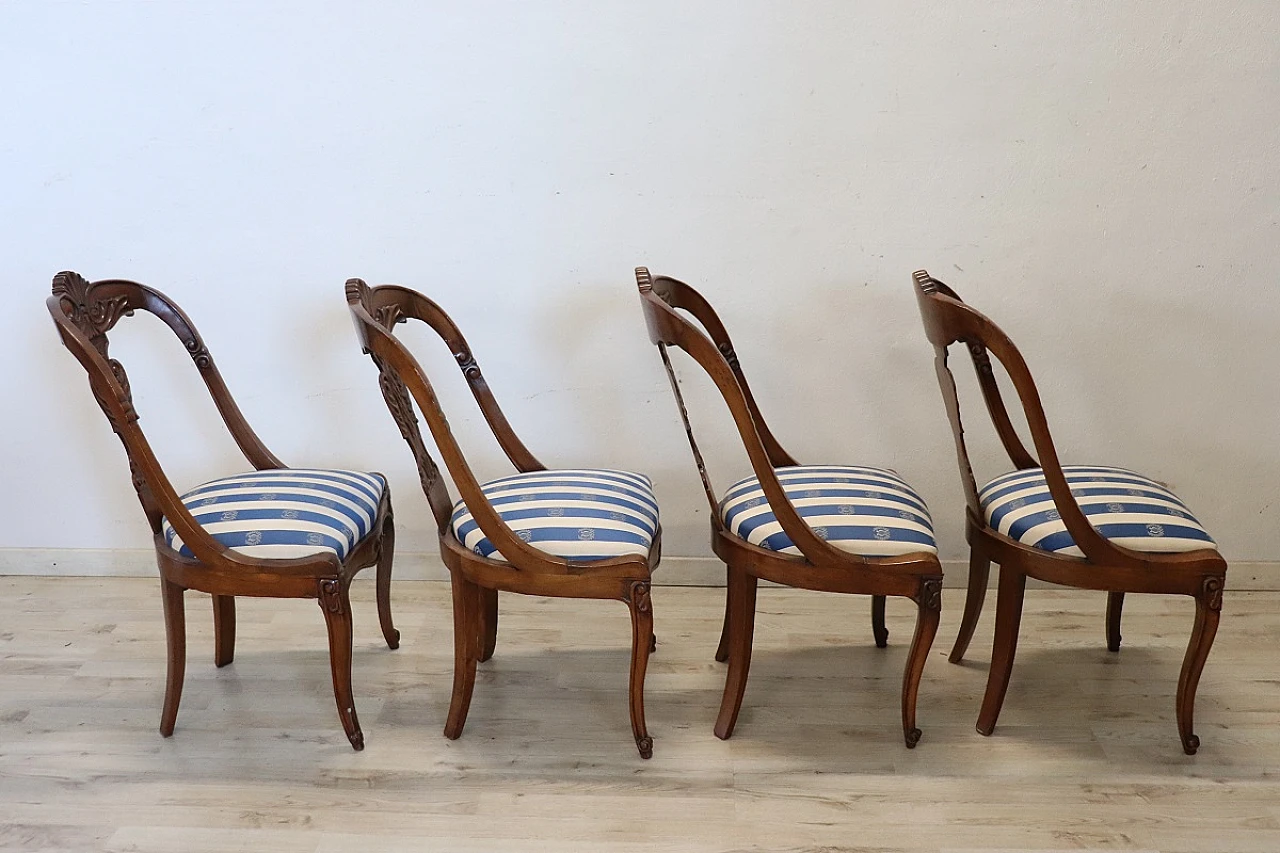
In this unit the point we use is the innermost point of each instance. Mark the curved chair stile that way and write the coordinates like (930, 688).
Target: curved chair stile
(83, 313)
(1195, 569)
(820, 565)
(512, 564)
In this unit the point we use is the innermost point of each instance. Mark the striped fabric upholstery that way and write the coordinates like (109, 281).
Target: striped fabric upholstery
(289, 512)
(870, 512)
(574, 514)
(1129, 509)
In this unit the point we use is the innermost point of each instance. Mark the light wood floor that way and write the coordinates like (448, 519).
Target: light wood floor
(1086, 755)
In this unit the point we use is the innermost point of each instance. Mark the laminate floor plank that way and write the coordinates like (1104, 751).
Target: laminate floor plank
(1086, 756)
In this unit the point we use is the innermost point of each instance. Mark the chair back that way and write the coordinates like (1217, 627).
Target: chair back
(948, 320)
(668, 305)
(84, 313)
(376, 311)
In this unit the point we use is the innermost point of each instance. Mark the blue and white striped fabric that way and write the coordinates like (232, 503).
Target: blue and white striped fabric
(283, 513)
(575, 514)
(870, 512)
(1129, 509)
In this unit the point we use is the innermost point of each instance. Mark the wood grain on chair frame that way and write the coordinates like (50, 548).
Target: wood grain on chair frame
(84, 313)
(820, 565)
(1102, 564)
(523, 568)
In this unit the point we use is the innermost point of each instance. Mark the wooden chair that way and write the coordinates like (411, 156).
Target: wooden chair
(1090, 527)
(833, 528)
(576, 533)
(274, 532)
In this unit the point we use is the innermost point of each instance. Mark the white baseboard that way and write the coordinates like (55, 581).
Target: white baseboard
(422, 565)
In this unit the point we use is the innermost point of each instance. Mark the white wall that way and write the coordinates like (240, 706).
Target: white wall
(1101, 180)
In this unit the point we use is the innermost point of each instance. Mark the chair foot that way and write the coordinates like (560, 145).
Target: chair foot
(335, 603)
(1208, 612)
(488, 614)
(1115, 606)
(929, 603)
(1013, 585)
(466, 636)
(741, 630)
(878, 629)
(175, 632)
(653, 644)
(385, 556)
(641, 606)
(224, 629)
(722, 650)
(979, 572)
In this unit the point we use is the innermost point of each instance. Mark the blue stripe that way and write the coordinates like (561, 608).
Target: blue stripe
(1106, 497)
(558, 499)
(858, 533)
(205, 519)
(253, 491)
(370, 484)
(637, 481)
(862, 510)
(238, 539)
(566, 534)
(790, 484)
(462, 529)
(1062, 540)
(362, 522)
(583, 485)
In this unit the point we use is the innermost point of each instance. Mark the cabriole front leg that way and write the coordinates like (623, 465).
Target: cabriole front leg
(335, 604)
(929, 602)
(641, 607)
(1208, 611)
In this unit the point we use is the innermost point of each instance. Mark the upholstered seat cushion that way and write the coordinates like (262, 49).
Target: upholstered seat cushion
(576, 514)
(289, 512)
(870, 512)
(1129, 509)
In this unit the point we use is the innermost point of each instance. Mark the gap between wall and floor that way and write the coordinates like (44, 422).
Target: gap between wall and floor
(421, 565)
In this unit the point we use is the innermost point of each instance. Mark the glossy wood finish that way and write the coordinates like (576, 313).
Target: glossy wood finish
(1082, 761)
(1105, 565)
(668, 305)
(477, 580)
(84, 313)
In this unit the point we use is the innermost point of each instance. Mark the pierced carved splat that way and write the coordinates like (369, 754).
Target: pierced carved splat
(396, 395)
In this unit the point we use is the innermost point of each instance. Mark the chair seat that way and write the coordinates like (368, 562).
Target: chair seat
(870, 512)
(1129, 509)
(284, 513)
(575, 514)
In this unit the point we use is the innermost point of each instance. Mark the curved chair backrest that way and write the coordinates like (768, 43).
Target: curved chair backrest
(663, 300)
(948, 320)
(84, 312)
(375, 312)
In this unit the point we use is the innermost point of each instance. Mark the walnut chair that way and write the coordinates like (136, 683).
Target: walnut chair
(572, 533)
(1085, 526)
(835, 528)
(273, 532)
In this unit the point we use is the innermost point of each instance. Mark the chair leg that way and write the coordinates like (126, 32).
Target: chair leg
(929, 602)
(335, 604)
(175, 632)
(741, 629)
(1115, 606)
(722, 650)
(385, 555)
(466, 634)
(878, 630)
(1208, 611)
(641, 607)
(488, 623)
(224, 629)
(1008, 617)
(979, 571)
